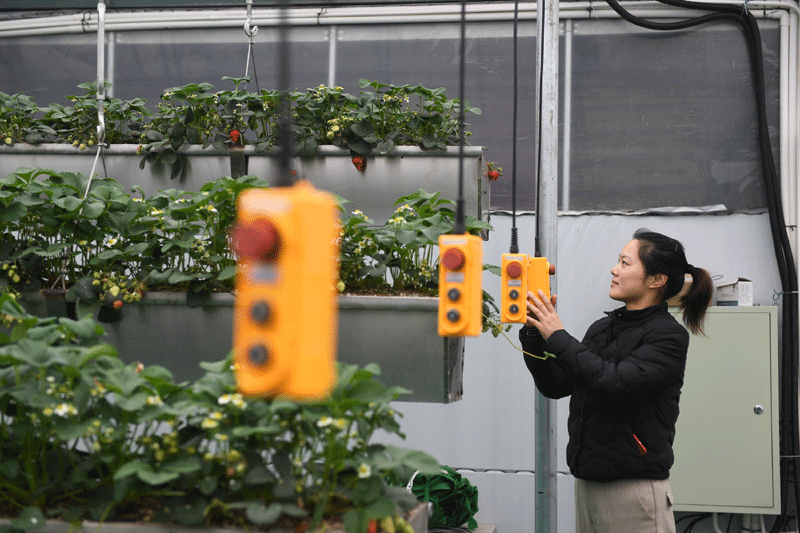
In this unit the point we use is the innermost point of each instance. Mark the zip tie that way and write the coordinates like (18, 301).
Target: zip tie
(322, 11)
(591, 9)
(778, 295)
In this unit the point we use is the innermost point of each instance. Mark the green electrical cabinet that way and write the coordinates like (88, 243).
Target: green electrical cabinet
(726, 444)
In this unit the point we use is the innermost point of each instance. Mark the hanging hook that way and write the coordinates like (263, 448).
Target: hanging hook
(250, 31)
(247, 29)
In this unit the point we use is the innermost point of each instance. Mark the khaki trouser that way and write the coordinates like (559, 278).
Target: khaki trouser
(625, 506)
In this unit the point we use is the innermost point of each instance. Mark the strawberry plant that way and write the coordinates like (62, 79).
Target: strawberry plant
(85, 436)
(112, 246)
(402, 255)
(375, 121)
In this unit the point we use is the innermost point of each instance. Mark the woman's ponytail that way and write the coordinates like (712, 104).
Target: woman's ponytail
(697, 299)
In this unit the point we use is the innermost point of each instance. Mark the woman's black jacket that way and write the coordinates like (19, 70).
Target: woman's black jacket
(625, 379)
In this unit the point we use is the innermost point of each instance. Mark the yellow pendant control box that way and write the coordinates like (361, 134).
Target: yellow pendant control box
(286, 309)
(460, 285)
(520, 274)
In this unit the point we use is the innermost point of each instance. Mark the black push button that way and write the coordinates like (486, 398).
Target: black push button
(258, 355)
(261, 313)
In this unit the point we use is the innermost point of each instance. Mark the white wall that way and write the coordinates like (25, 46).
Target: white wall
(489, 435)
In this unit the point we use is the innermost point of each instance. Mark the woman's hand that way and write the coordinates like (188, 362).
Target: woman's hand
(542, 314)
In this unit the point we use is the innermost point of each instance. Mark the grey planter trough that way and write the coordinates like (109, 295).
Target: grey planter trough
(373, 190)
(399, 333)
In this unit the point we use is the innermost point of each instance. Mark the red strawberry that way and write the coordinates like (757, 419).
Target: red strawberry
(359, 162)
(234, 134)
(373, 524)
(493, 171)
(117, 304)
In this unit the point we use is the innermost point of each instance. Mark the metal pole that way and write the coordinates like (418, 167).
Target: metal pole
(547, 83)
(332, 41)
(101, 70)
(567, 105)
(111, 59)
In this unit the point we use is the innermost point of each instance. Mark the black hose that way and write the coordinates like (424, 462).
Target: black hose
(790, 360)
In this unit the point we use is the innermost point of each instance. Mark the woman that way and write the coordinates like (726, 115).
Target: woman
(624, 379)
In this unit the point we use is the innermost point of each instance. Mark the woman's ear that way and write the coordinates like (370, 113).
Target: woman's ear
(657, 281)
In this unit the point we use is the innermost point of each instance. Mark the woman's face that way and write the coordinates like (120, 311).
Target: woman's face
(630, 284)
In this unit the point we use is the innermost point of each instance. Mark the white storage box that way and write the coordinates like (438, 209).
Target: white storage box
(734, 292)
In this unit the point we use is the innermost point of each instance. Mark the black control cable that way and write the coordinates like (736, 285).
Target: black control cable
(539, 126)
(459, 227)
(283, 60)
(514, 248)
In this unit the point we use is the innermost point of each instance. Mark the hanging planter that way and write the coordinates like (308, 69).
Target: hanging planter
(364, 148)
(399, 333)
(384, 179)
(117, 253)
(121, 162)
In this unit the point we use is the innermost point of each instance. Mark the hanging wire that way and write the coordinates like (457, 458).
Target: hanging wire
(250, 31)
(101, 93)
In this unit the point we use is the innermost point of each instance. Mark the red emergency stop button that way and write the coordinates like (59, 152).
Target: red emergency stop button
(257, 240)
(453, 259)
(514, 269)
(552, 270)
